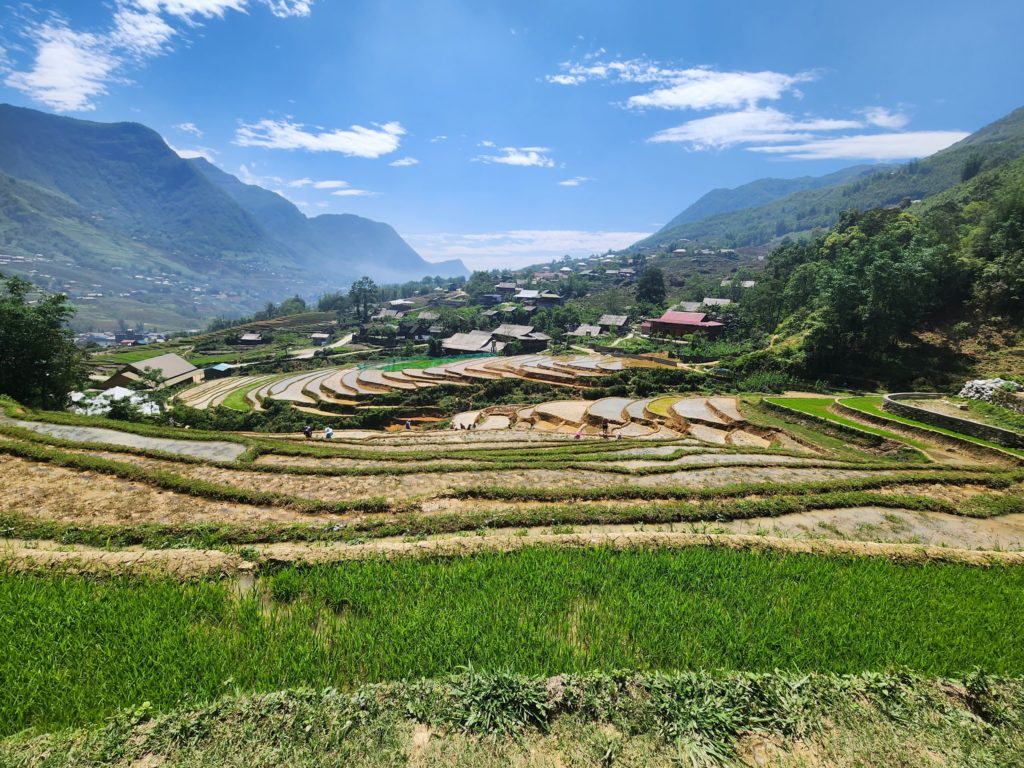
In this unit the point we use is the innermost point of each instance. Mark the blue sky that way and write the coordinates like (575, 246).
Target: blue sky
(507, 132)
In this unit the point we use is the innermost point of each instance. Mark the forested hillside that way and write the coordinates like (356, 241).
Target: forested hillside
(863, 297)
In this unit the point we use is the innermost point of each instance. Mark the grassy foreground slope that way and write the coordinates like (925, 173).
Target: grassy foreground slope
(110, 644)
(474, 720)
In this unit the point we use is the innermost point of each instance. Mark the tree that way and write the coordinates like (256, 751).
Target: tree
(650, 288)
(39, 362)
(362, 293)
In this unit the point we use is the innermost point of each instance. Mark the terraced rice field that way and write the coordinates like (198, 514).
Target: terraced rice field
(702, 532)
(350, 384)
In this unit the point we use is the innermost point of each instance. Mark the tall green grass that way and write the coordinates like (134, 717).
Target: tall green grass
(74, 650)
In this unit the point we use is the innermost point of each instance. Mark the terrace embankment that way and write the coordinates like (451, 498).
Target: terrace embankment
(894, 534)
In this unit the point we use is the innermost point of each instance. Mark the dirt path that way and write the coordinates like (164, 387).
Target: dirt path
(213, 450)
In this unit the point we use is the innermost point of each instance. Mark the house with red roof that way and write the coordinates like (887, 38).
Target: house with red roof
(682, 323)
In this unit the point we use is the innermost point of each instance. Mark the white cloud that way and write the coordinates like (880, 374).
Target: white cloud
(575, 181)
(518, 248)
(140, 34)
(71, 68)
(707, 89)
(188, 154)
(688, 88)
(524, 157)
(486, 143)
(357, 141)
(330, 184)
(762, 126)
(186, 9)
(403, 162)
(285, 8)
(353, 192)
(249, 176)
(436, 139)
(877, 146)
(885, 118)
(190, 128)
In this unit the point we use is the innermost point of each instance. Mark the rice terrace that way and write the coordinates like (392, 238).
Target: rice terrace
(743, 534)
(511, 385)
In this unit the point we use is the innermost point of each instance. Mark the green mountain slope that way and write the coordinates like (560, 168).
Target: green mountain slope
(111, 215)
(812, 209)
(762, 192)
(129, 180)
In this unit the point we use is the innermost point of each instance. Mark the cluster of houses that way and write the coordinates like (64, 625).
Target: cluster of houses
(125, 338)
(606, 325)
(526, 339)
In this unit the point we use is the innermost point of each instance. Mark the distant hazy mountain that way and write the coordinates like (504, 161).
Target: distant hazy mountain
(335, 242)
(715, 220)
(109, 209)
(761, 192)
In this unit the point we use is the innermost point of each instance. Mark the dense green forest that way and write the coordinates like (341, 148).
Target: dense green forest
(855, 299)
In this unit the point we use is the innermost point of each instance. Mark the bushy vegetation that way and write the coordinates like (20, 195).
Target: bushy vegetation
(480, 719)
(39, 363)
(853, 299)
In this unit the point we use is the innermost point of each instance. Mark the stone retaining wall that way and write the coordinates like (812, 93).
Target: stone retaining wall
(891, 403)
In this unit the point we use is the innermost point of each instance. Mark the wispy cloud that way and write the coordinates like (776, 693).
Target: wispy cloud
(353, 192)
(518, 248)
(742, 118)
(885, 118)
(575, 181)
(141, 34)
(356, 141)
(525, 157)
(190, 128)
(439, 138)
(683, 88)
(189, 154)
(404, 162)
(877, 146)
(769, 131)
(762, 126)
(70, 68)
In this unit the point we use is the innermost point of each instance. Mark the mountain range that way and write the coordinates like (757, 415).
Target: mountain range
(110, 214)
(764, 211)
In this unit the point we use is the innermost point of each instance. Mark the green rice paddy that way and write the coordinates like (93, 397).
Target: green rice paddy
(74, 650)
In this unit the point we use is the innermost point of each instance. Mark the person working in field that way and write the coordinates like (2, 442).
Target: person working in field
(328, 433)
